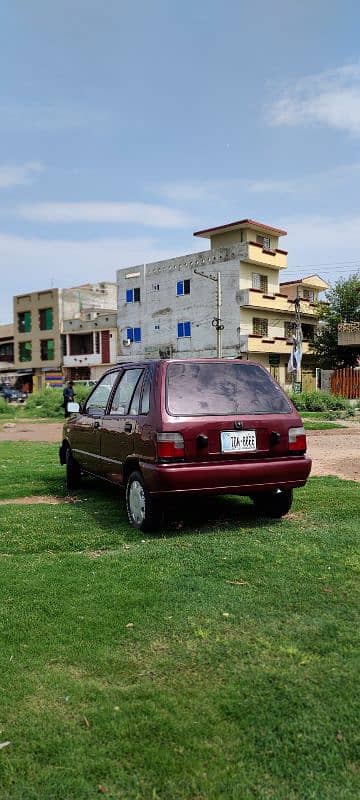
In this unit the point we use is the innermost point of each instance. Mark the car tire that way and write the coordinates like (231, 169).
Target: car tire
(141, 508)
(73, 471)
(273, 504)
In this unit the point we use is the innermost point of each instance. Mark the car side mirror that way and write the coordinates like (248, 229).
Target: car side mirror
(73, 408)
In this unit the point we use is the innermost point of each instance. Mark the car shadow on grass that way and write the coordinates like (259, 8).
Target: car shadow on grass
(204, 514)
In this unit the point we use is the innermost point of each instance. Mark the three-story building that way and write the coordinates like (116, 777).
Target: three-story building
(169, 308)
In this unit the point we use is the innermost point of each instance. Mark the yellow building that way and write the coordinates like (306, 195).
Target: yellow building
(266, 303)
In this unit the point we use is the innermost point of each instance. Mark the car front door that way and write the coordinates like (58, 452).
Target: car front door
(118, 425)
(85, 428)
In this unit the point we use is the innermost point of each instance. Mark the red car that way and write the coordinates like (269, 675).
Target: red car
(194, 427)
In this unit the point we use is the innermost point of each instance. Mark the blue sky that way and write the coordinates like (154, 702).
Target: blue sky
(125, 125)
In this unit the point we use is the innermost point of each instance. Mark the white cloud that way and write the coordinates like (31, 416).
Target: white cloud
(156, 216)
(18, 174)
(195, 191)
(329, 98)
(34, 263)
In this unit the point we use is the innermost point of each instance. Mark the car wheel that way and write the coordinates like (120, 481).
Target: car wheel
(73, 471)
(141, 507)
(273, 504)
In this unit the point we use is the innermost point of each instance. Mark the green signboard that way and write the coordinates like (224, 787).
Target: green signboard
(297, 387)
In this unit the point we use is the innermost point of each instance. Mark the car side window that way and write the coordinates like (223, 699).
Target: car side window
(135, 403)
(145, 399)
(98, 400)
(124, 391)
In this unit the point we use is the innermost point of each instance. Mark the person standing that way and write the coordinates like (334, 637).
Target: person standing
(69, 395)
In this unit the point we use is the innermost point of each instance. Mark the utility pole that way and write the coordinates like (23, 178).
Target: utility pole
(298, 337)
(216, 322)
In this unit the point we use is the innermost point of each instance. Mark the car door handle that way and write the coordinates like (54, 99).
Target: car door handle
(96, 424)
(128, 427)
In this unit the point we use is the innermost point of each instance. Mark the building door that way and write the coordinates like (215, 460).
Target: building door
(105, 347)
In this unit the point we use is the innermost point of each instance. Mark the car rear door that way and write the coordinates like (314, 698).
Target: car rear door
(118, 425)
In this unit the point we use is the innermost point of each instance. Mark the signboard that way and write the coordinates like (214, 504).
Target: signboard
(297, 387)
(274, 360)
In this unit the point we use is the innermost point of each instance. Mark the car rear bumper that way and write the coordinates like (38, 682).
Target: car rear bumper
(227, 478)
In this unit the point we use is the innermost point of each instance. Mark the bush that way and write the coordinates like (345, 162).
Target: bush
(6, 408)
(319, 401)
(49, 402)
(46, 403)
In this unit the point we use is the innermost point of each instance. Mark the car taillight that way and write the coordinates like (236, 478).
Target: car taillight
(170, 445)
(297, 439)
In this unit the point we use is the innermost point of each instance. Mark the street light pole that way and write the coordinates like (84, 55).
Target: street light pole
(298, 339)
(216, 322)
(219, 326)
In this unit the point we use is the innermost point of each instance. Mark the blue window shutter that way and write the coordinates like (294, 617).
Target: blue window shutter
(129, 295)
(180, 287)
(187, 328)
(130, 334)
(180, 329)
(137, 334)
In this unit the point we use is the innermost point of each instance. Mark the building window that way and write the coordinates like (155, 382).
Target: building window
(7, 352)
(260, 326)
(46, 319)
(157, 327)
(63, 343)
(308, 294)
(183, 329)
(289, 329)
(264, 241)
(260, 282)
(308, 332)
(25, 351)
(156, 287)
(133, 334)
(97, 341)
(47, 349)
(183, 287)
(24, 322)
(133, 295)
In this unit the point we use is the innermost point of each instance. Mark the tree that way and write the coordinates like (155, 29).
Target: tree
(342, 305)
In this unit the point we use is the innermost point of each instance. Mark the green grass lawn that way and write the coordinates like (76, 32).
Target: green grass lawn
(319, 424)
(218, 660)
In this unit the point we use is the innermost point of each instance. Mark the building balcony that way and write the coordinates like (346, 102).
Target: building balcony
(83, 360)
(275, 259)
(252, 343)
(349, 334)
(280, 303)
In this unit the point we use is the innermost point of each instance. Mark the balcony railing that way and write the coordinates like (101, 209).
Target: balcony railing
(251, 343)
(255, 298)
(82, 360)
(349, 333)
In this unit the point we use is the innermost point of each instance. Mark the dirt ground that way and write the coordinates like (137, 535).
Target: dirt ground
(334, 452)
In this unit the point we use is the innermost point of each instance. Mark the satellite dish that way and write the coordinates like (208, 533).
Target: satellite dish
(126, 342)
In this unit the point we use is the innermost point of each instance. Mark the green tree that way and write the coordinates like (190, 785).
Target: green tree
(342, 305)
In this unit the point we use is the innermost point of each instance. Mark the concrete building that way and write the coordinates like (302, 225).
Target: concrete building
(167, 308)
(38, 327)
(6, 352)
(90, 344)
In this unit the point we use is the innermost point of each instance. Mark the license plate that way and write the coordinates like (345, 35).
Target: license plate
(238, 442)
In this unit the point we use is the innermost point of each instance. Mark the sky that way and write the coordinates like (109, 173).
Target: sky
(126, 125)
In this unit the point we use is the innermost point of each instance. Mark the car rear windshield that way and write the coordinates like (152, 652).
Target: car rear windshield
(207, 389)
